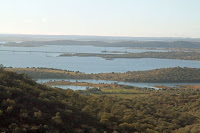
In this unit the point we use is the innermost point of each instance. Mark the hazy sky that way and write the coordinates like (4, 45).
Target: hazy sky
(101, 17)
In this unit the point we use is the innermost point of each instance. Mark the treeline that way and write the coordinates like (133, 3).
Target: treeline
(26, 106)
(176, 74)
(50, 73)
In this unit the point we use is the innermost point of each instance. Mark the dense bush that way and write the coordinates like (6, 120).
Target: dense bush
(26, 106)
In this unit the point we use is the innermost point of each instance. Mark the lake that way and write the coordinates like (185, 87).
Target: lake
(48, 56)
(76, 49)
(84, 64)
(147, 85)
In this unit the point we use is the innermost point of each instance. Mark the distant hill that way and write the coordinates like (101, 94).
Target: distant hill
(57, 42)
(158, 44)
(150, 44)
(29, 37)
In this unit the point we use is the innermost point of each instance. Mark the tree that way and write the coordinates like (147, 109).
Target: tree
(1, 112)
(57, 119)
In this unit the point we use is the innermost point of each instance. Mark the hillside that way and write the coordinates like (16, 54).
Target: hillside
(26, 106)
(176, 74)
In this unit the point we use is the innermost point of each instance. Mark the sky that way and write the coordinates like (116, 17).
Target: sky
(136, 18)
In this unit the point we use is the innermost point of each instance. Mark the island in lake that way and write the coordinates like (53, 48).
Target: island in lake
(161, 55)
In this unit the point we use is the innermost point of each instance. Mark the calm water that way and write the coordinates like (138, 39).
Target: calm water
(47, 56)
(84, 64)
(75, 49)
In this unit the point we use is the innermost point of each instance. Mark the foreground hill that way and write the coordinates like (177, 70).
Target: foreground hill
(176, 74)
(26, 106)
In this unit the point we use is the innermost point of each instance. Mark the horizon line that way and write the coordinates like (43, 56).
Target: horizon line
(29, 34)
